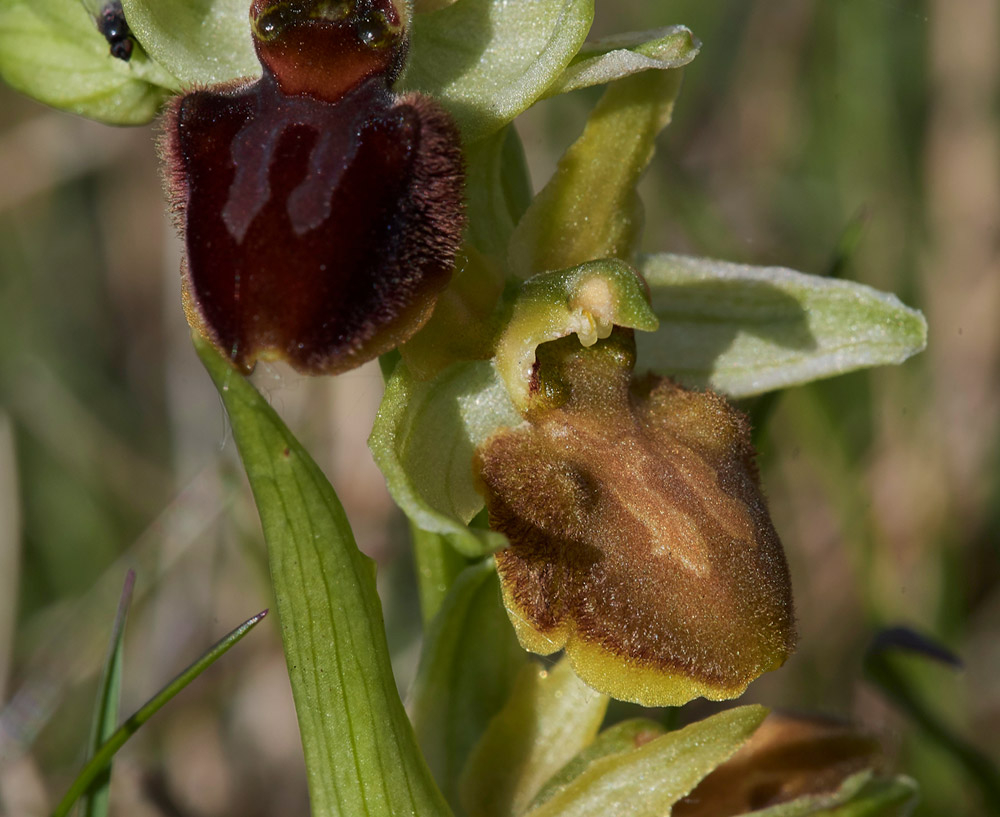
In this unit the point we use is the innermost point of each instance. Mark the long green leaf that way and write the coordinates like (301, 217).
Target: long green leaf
(99, 762)
(95, 801)
(467, 669)
(360, 750)
(745, 330)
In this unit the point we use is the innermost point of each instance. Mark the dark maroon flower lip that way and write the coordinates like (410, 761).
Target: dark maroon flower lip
(321, 211)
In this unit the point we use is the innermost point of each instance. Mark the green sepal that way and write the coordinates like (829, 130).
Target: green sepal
(489, 60)
(744, 330)
(201, 42)
(647, 781)
(51, 50)
(626, 736)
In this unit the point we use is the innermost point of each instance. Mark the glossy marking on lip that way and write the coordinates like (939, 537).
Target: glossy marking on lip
(321, 211)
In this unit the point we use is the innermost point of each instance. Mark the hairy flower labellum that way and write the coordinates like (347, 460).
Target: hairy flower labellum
(639, 538)
(321, 212)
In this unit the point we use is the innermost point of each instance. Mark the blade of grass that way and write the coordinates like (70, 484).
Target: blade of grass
(102, 757)
(360, 750)
(95, 799)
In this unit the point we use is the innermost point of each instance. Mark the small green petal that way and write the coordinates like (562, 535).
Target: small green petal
(424, 438)
(201, 42)
(612, 58)
(489, 60)
(52, 51)
(590, 208)
(550, 716)
(745, 330)
(587, 300)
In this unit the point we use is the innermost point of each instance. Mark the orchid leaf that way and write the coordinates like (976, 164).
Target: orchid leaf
(612, 58)
(745, 330)
(550, 716)
(52, 51)
(424, 439)
(590, 209)
(350, 715)
(489, 60)
(201, 42)
(467, 670)
(648, 781)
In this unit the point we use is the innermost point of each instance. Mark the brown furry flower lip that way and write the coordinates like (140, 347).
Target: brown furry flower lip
(321, 211)
(639, 537)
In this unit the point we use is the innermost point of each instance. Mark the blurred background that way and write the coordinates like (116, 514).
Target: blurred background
(857, 138)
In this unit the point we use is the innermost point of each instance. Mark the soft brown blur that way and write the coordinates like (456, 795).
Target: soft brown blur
(859, 138)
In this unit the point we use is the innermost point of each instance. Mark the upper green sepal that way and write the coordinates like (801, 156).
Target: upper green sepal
(201, 42)
(488, 60)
